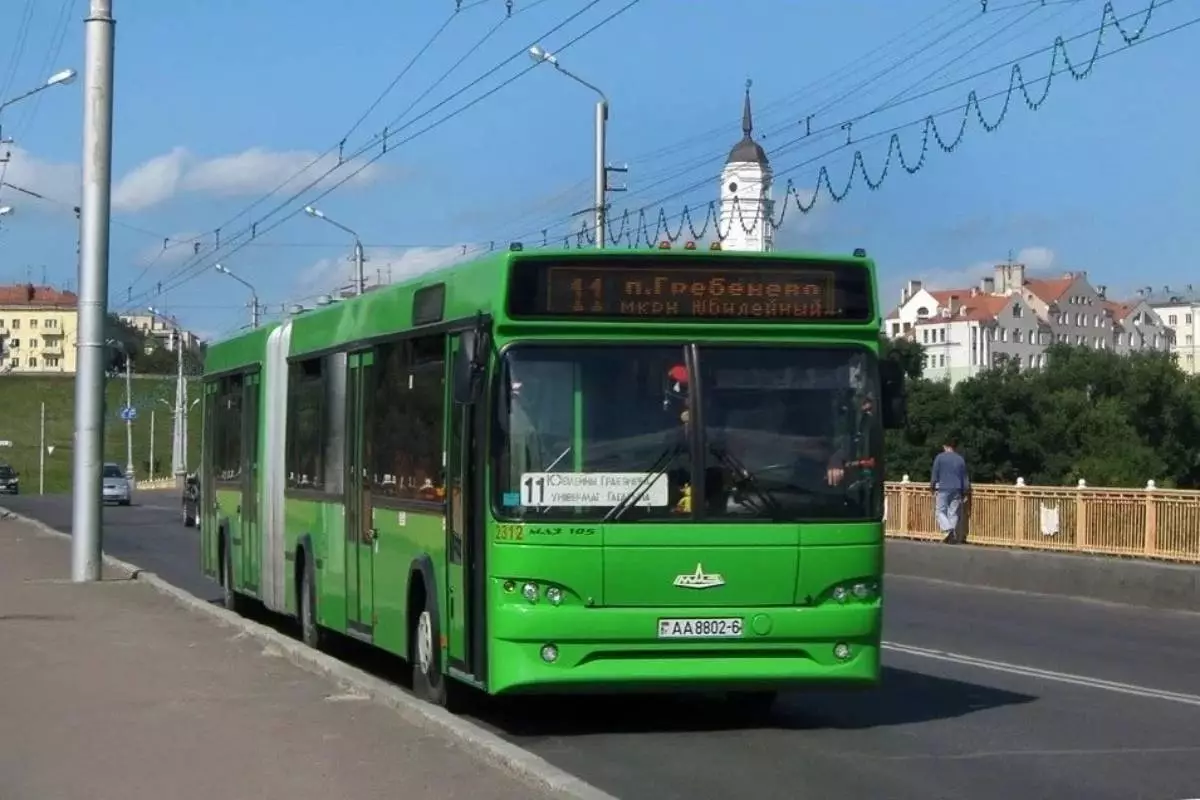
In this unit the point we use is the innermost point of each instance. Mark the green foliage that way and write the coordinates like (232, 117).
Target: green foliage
(146, 354)
(1109, 419)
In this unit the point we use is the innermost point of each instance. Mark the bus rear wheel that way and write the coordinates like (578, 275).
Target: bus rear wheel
(310, 631)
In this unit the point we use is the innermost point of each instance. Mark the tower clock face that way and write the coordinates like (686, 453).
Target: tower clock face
(733, 186)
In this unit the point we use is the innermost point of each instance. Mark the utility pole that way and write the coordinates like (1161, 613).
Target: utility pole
(94, 218)
(150, 463)
(128, 419)
(177, 446)
(254, 309)
(359, 259)
(601, 172)
(42, 453)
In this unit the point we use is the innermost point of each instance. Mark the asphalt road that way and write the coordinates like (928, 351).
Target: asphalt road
(987, 695)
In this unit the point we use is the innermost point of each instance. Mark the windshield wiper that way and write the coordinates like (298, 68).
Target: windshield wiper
(656, 471)
(747, 479)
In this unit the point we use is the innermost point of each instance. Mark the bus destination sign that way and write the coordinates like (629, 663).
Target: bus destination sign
(725, 289)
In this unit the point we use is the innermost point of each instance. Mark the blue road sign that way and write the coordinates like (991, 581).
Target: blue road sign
(128, 413)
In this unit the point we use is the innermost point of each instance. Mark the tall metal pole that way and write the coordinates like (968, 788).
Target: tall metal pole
(254, 307)
(42, 453)
(601, 172)
(359, 280)
(128, 420)
(95, 209)
(177, 447)
(150, 463)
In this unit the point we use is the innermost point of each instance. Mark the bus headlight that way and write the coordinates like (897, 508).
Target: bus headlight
(530, 592)
(840, 594)
(554, 595)
(863, 590)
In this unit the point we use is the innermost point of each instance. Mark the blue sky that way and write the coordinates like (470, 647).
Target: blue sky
(217, 103)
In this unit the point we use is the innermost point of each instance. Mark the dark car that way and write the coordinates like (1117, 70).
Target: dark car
(191, 501)
(10, 482)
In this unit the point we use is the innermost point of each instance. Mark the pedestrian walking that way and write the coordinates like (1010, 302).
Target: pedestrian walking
(951, 487)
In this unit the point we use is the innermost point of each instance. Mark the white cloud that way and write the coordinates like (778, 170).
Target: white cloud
(250, 172)
(386, 263)
(57, 182)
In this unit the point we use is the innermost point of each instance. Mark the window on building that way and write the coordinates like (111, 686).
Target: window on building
(51, 361)
(32, 362)
(1017, 335)
(1187, 319)
(1187, 339)
(925, 335)
(51, 323)
(895, 329)
(1016, 310)
(1172, 320)
(406, 419)
(16, 324)
(14, 344)
(33, 323)
(14, 363)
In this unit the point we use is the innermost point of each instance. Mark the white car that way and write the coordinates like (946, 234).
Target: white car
(117, 488)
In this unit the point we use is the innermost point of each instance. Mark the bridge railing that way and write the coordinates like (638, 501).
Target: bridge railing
(1152, 523)
(157, 483)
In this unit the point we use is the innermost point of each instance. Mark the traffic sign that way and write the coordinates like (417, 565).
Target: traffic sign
(128, 413)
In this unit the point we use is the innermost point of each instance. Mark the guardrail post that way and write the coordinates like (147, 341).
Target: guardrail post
(1081, 517)
(905, 502)
(1151, 539)
(1020, 511)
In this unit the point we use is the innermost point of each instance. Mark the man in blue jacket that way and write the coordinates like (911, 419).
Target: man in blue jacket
(951, 487)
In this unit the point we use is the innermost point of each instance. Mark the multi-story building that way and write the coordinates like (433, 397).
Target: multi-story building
(1010, 317)
(164, 331)
(38, 326)
(1180, 311)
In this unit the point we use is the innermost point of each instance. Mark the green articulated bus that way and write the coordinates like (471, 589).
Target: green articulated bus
(568, 471)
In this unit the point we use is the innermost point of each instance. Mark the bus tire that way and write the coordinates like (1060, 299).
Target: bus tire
(306, 609)
(230, 598)
(428, 681)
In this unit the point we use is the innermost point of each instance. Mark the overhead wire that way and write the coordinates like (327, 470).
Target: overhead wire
(1016, 80)
(194, 269)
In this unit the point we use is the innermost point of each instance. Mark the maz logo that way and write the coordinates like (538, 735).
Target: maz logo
(699, 579)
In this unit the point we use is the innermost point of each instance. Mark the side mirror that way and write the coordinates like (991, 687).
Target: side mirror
(895, 396)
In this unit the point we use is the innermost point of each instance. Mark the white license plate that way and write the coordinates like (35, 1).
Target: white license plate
(705, 628)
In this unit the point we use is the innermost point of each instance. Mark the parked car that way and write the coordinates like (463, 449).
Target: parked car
(10, 480)
(117, 488)
(191, 501)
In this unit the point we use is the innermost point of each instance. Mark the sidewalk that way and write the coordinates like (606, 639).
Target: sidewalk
(112, 690)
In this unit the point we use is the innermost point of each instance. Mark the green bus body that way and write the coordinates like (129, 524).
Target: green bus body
(359, 463)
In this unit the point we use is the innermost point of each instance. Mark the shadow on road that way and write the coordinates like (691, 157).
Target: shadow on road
(903, 698)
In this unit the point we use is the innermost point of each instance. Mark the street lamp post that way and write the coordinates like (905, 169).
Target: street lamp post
(253, 293)
(178, 437)
(359, 258)
(601, 177)
(60, 78)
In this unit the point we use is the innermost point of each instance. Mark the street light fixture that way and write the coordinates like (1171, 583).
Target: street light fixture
(253, 292)
(5, 211)
(359, 258)
(541, 56)
(60, 78)
(179, 431)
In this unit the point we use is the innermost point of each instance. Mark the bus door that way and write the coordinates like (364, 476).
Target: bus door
(465, 529)
(360, 531)
(249, 554)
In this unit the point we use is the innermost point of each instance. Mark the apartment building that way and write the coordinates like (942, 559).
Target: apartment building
(1010, 317)
(1180, 311)
(38, 327)
(165, 331)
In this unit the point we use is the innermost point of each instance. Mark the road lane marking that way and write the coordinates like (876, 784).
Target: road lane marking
(1045, 674)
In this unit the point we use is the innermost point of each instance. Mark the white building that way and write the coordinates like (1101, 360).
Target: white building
(1180, 312)
(745, 218)
(164, 331)
(1011, 318)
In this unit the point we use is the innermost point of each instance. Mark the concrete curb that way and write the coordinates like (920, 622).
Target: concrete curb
(1163, 586)
(492, 748)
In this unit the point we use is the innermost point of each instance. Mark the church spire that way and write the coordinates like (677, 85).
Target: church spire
(747, 121)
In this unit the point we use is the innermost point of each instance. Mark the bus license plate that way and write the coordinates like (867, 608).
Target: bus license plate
(719, 628)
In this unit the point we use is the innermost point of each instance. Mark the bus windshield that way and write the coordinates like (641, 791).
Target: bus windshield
(605, 433)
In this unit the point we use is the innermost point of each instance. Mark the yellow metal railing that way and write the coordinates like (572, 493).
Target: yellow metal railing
(1143, 523)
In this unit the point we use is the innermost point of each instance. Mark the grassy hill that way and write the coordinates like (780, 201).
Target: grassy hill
(21, 397)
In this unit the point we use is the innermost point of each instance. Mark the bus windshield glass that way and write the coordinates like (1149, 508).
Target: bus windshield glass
(605, 433)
